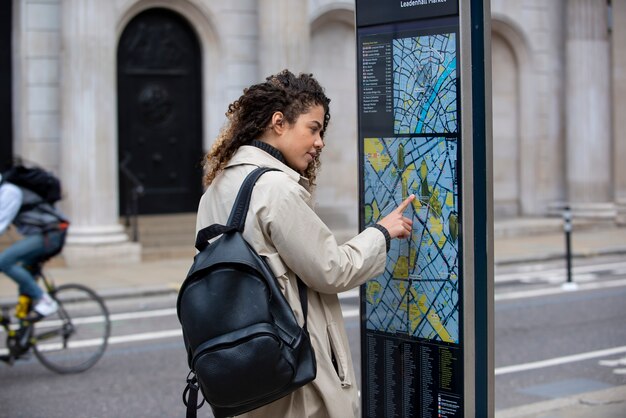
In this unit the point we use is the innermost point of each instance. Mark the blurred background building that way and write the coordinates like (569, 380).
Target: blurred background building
(102, 92)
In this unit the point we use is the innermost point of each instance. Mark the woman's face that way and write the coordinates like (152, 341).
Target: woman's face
(301, 141)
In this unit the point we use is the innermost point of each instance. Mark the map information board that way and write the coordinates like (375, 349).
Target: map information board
(410, 144)
(418, 293)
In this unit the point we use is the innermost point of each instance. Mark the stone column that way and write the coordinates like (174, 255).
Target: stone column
(284, 36)
(588, 118)
(89, 136)
(619, 106)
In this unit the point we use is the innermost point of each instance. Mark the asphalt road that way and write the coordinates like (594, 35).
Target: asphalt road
(142, 373)
(549, 343)
(552, 343)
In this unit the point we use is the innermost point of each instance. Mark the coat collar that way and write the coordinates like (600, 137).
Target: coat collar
(270, 150)
(248, 154)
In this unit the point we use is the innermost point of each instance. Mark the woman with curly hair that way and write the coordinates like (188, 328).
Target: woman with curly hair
(281, 124)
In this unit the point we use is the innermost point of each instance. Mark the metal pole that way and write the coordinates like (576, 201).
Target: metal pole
(567, 227)
(135, 198)
(128, 202)
(567, 217)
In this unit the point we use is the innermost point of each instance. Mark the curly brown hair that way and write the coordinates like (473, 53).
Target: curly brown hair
(251, 114)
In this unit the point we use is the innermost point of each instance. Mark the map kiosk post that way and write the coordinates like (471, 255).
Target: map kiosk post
(424, 100)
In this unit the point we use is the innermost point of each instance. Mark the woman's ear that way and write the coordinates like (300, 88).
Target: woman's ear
(278, 122)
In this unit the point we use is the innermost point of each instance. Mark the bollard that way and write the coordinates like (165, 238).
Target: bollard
(567, 227)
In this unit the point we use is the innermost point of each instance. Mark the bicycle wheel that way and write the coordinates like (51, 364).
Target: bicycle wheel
(75, 337)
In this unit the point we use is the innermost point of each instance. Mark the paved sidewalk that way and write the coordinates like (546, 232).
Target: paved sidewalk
(158, 277)
(542, 247)
(607, 403)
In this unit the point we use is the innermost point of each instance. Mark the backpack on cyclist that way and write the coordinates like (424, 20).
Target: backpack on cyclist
(37, 180)
(244, 346)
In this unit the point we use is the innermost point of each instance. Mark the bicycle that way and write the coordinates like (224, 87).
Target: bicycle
(71, 340)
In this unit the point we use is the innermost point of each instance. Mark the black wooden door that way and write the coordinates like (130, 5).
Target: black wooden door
(160, 112)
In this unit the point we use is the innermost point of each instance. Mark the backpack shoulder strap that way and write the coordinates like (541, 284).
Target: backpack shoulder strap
(237, 218)
(208, 233)
(238, 214)
(304, 302)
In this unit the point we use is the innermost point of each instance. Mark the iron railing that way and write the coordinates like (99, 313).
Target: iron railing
(134, 190)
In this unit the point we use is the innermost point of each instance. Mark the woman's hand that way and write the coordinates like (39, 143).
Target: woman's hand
(396, 224)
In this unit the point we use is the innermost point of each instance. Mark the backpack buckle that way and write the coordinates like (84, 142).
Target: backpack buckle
(190, 394)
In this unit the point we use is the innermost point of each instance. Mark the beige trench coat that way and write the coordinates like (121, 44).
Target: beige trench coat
(282, 227)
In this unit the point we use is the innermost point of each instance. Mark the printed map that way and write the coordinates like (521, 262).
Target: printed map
(424, 84)
(418, 294)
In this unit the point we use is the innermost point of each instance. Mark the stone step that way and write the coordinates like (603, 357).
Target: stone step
(165, 230)
(168, 252)
(165, 236)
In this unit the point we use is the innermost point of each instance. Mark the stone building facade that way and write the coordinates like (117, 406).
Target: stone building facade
(93, 82)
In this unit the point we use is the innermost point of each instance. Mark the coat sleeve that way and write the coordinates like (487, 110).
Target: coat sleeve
(310, 250)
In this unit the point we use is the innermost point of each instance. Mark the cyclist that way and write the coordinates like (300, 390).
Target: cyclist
(43, 228)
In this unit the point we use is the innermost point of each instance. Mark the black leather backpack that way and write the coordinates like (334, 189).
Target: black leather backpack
(244, 346)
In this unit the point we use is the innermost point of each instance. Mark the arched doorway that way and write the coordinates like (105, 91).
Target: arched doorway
(506, 129)
(160, 112)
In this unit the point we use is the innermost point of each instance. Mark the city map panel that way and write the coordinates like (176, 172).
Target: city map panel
(418, 294)
(424, 84)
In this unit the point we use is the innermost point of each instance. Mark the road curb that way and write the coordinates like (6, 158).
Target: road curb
(554, 256)
(129, 292)
(110, 294)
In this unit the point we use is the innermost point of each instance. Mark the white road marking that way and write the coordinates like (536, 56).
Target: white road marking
(146, 336)
(555, 291)
(144, 314)
(615, 364)
(559, 360)
(115, 340)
